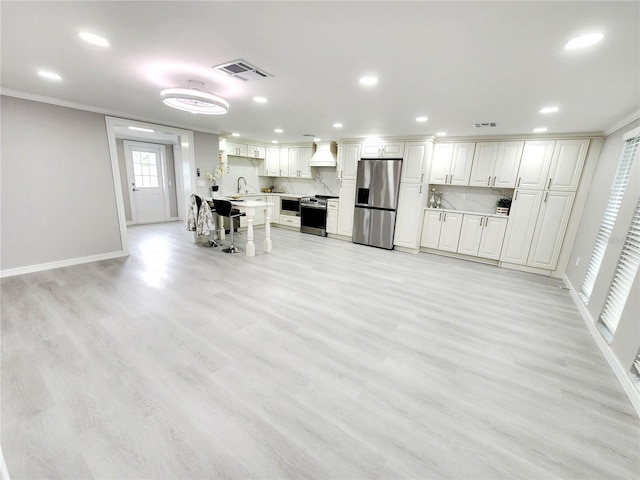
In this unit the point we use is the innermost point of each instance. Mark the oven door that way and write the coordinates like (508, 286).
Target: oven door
(290, 206)
(313, 219)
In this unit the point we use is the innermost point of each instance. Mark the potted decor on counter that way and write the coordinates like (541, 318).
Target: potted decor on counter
(502, 206)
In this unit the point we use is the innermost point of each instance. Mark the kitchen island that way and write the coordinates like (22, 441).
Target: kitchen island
(249, 207)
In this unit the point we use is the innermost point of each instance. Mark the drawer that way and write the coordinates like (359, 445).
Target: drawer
(290, 220)
(333, 204)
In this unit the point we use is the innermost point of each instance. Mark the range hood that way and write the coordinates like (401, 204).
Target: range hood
(325, 155)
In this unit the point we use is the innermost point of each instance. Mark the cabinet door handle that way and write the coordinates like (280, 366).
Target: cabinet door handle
(445, 216)
(446, 178)
(420, 189)
(494, 182)
(546, 195)
(489, 180)
(516, 197)
(549, 186)
(422, 178)
(518, 184)
(440, 217)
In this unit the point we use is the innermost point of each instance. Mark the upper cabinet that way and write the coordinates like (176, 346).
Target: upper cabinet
(255, 151)
(452, 163)
(414, 164)
(300, 162)
(566, 164)
(271, 166)
(236, 149)
(348, 156)
(382, 150)
(495, 164)
(552, 164)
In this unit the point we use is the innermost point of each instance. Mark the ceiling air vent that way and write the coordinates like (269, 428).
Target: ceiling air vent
(242, 70)
(485, 124)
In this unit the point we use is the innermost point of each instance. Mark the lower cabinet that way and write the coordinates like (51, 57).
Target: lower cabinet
(537, 224)
(482, 236)
(332, 216)
(409, 215)
(441, 230)
(290, 221)
(274, 200)
(345, 210)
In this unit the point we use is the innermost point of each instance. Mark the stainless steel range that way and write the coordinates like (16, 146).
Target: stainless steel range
(313, 214)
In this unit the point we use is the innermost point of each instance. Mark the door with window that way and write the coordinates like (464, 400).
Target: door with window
(145, 173)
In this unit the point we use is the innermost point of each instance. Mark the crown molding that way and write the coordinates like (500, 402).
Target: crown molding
(90, 108)
(622, 123)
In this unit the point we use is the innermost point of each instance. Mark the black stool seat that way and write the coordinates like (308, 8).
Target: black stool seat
(225, 208)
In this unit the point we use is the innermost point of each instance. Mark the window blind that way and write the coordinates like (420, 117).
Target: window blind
(609, 218)
(625, 273)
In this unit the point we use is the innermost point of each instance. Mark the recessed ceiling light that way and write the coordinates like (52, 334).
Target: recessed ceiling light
(540, 129)
(234, 134)
(94, 39)
(337, 125)
(369, 80)
(549, 109)
(194, 101)
(421, 119)
(140, 129)
(260, 99)
(441, 134)
(583, 41)
(278, 130)
(49, 75)
(274, 141)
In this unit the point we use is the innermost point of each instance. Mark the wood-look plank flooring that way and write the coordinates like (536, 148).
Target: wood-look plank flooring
(321, 360)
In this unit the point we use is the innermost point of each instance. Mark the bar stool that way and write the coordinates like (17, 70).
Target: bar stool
(225, 209)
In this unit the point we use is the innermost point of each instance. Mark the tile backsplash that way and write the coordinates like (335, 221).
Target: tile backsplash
(470, 199)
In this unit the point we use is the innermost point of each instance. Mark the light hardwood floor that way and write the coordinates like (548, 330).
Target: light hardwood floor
(324, 360)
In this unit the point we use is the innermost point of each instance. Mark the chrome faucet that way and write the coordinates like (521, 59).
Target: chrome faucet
(245, 183)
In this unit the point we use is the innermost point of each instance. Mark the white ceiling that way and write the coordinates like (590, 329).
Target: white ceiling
(456, 62)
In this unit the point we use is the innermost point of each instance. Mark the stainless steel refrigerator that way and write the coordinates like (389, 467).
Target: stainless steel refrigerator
(377, 187)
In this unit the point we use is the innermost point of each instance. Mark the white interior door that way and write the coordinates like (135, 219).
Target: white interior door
(145, 172)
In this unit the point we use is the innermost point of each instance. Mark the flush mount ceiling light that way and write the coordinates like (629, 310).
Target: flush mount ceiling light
(49, 75)
(94, 39)
(369, 80)
(549, 109)
(194, 100)
(583, 41)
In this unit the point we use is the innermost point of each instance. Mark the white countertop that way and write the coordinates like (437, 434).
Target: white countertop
(467, 212)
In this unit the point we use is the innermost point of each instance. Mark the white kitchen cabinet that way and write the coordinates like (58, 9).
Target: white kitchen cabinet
(552, 164)
(431, 226)
(496, 164)
(283, 170)
(332, 215)
(236, 149)
(348, 156)
(347, 204)
(482, 236)
(271, 165)
(452, 163)
(256, 151)
(414, 163)
(443, 225)
(521, 226)
(550, 229)
(534, 165)
(299, 162)
(566, 164)
(289, 221)
(411, 203)
(382, 150)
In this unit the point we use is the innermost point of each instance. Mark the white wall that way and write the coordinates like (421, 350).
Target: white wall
(58, 199)
(626, 340)
(206, 155)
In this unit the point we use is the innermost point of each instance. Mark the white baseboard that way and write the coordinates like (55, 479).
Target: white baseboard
(619, 371)
(10, 272)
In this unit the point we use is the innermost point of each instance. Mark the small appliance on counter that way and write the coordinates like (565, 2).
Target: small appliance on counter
(313, 214)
